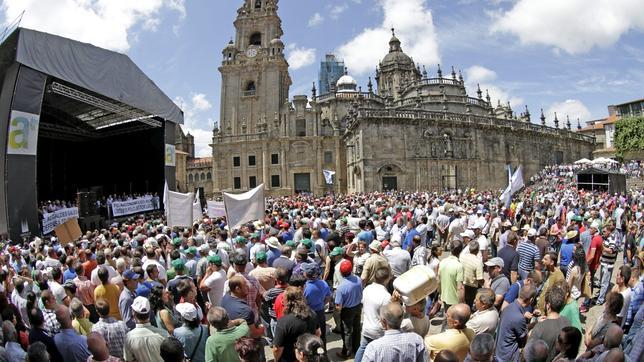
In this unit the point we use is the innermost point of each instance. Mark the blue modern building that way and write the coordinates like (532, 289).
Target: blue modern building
(331, 70)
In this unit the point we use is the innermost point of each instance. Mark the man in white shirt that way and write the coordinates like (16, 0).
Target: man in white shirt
(421, 228)
(100, 260)
(214, 280)
(399, 260)
(374, 296)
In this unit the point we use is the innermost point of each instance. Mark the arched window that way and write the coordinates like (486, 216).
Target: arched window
(256, 39)
(258, 4)
(250, 86)
(190, 178)
(203, 176)
(208, 176)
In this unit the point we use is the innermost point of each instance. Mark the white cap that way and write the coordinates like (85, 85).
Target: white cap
(141, 305)
(532, 232)
(187, 311)
(468, 234)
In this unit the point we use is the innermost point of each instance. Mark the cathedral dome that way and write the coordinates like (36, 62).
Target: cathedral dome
(346, 83)
(396, 54)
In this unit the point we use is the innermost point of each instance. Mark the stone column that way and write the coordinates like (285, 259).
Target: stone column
(265, 176)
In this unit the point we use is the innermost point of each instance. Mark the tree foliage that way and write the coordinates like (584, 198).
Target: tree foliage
(629, 135)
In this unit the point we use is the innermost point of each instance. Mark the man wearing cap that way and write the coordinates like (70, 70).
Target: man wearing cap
(144, 341)
(191, 334)
(498, 281)
(214, 280)
(317, 294)
(180, 268)
(131, 281)
(529, 255)
(191, 262)
(348, 301)
(273, 252)
(374, 262)
(264, 274)
(482, 239)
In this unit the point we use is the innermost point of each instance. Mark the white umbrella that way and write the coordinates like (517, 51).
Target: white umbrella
(601, 160)
(583, 161)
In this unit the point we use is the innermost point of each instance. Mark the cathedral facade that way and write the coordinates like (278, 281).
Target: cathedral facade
(412, 131)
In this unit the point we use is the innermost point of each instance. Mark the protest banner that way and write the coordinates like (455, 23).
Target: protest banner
(140, 204)
(179, 208)
(51, 220)
(216, 209)
(241, 208)
(68, 232)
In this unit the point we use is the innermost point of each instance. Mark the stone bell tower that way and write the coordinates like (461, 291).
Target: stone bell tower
(255, 79)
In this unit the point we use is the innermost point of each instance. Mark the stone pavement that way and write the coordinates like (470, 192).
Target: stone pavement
(334, 341)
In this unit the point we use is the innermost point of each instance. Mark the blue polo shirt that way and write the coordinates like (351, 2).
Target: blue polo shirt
(315, 291)
(349, 292)
(512, 329)
(238, 309)
(409, 239)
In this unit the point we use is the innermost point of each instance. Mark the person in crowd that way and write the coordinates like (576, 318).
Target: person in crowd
(172, 350)
(52, 326)
(419, 252)
(417, 321)
(570, 311)
(317, 294)
(450, 272)
(472, 271)
(144, 341)
(374, 297)
(298, 319)
(482, 349)
(374, 262)
(213, 280)
(533, 278)
(13, 349)
(555, 276)
(548, 330)
(80, 315)
(192, 334)
(595, 334)
(457, 337)
(486, 317)
(513, 327)
(529, 255)
(248, 349)
(220, 346)
(594, 253)
(535, 350)
(498, 282)
(567, 344)
(621, 286)
(71, 345)
(237, 307)
(310, 348)
(510, 258)
(98, 348)
(39, 334)
(607, 261)
(610, 347)
(108, 292)
(395, 345)
(131, 281)
(112, 330)
(348, 301)
(162, 305)
(398, 259)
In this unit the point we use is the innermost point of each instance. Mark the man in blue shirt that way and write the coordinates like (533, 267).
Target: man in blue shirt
(317, 294)
(534, 278)
(348, 301)
(513, 328)
(71, 345)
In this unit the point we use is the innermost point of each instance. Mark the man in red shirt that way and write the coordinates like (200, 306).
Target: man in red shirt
(594, 252)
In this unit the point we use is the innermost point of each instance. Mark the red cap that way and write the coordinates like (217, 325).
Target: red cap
(345, 266)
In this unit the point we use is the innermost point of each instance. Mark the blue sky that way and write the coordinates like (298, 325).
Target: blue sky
(574, 57)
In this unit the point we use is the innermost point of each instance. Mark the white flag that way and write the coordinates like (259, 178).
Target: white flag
(196, 208)
(241, 208)
(328, 176)
(165, 198)
(216, 209)
(179, 208)
(517, 180)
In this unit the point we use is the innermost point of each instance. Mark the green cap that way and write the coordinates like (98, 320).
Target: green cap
(254, 236)
(171, 274)
(240, 239)
(260, 256)
(336, 251)
(178, 264)
(192, 250)
(215, 259)
(290, 243)
(176, 241)
(308, 243)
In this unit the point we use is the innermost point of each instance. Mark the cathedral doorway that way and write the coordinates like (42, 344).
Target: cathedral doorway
(449, 177)
(302, 182)
(389, 183)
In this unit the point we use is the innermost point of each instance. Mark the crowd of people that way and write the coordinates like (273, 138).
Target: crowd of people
(515, 282)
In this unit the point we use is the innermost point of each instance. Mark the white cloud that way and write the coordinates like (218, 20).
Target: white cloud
(200, 103)
(197, 121)
(300, 57)
(414, 27)
(203, 138)
(575, 26)
(104, 23)
(316, 20)
(337, 10)
(573, 108)
(485, 77)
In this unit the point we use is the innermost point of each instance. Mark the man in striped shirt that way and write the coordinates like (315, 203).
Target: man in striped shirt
(529, 255)
(607, 262)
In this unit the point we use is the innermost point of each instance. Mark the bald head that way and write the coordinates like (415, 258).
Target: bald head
(63, 317)
(97, 346)
(392, 315)
(613, 337)
(458, 315)
(536, 350)
(615, 355)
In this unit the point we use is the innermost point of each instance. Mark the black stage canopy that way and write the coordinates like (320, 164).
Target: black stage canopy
(597, 179)
(69, 108)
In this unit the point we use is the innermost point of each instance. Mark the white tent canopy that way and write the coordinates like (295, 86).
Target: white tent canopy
(583, 161)
(603, 160)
